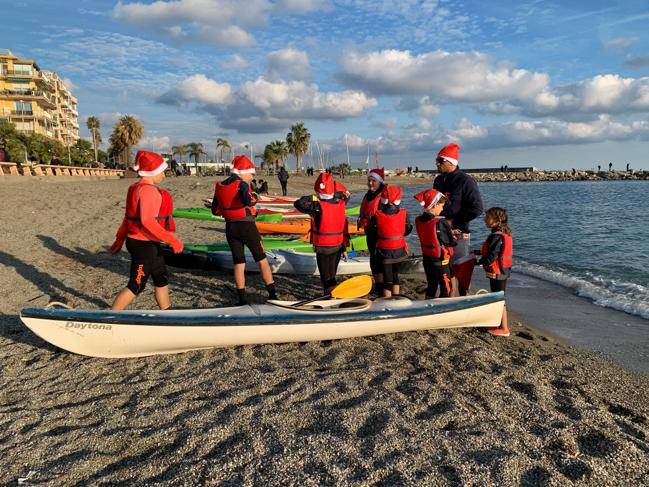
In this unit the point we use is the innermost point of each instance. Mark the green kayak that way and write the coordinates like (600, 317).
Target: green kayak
(206, 214)
(356, 243)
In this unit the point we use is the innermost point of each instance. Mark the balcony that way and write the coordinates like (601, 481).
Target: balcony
(39, 96)
(21, 114)
(12, 73)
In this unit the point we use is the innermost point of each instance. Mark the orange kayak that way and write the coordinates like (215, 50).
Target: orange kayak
(300, 226)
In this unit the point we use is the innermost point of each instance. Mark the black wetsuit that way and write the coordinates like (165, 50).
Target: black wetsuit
(438, 273)
(327, 257)
(390, 258)
(376, 265)
(242, 231)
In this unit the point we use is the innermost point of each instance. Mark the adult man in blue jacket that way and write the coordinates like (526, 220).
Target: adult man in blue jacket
(464, 202)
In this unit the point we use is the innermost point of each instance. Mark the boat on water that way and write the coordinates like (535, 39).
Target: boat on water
(137, 333)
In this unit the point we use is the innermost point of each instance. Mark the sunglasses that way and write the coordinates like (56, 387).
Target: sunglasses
(440, 160)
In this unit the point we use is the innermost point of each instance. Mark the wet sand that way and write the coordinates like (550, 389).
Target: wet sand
(431, 408)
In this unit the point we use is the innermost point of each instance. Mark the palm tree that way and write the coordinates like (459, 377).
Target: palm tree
(281, 151)
(93, 125)
(179, 150)
(130, 131)
(222, 144)
(298, 142)
(116, 145)
(195, 150)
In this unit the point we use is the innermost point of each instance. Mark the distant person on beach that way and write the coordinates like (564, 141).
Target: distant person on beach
(610, 166)
(283, 179)
(627, 167)
(464, 202)
(496, 258)
(391, 226)
(369, 207)
(329, 232)
(263, 187)
(233, 200)
(437, 242)
(147, 222)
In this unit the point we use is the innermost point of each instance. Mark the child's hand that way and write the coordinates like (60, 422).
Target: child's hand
(345, 257)
(116, 247)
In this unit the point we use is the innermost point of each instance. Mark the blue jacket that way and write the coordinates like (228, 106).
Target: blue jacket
(464, 201)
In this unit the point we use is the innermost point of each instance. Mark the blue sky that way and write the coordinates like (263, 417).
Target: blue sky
(551, 84)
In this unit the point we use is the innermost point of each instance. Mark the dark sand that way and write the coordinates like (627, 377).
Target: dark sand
(430, 408)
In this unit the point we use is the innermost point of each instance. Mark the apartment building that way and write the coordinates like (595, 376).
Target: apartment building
(36, 101)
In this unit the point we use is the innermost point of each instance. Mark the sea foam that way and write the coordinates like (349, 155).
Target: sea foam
(623, 296)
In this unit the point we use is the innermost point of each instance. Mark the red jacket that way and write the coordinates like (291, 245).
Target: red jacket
(332, 228)
(391, 230)
(430, 244)
(164, 218)
(230, 205)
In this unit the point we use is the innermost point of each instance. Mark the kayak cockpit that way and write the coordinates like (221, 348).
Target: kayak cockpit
(328, 305)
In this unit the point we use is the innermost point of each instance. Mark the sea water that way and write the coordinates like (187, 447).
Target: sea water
(590, 237)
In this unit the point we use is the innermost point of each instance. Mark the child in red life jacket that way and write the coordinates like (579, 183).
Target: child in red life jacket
(369, 207)
(437, 242)
(390, 224)
(329, 232)
(147, 222)
(235, 201)
(496, 258)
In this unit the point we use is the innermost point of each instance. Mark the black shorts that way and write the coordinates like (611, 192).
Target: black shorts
(243, 233)
(497, 285)
(146, 260)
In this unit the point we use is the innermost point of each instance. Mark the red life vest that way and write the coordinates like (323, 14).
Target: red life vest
(164, 218)
(230, 205)
(391, 230)
(368, 209)
(332, 225)
(505, 257)
(430, 244)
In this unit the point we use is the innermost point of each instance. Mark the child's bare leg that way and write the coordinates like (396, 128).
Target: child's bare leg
(162, 297)
(123, 299)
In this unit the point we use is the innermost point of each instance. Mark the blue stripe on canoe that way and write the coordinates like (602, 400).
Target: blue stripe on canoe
(283, 316)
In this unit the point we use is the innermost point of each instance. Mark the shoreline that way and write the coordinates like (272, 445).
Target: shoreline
(444, 407)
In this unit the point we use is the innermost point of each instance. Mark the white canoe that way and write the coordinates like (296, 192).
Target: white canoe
(136, 333)
(280, 261)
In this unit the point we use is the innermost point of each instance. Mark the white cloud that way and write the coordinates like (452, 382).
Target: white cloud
(422, 105)
(621, 41)
(459, 76)
(221, 22)
(67, 82)
(200, 89)
(288, 64)
(155, 143)
(263, 105)
(235, 61)
(302, 6)
(602, 94)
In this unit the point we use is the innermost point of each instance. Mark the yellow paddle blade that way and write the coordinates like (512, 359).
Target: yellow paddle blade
(354, 287)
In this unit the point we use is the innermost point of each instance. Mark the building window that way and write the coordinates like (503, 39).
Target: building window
(23, 68)
(24, 108)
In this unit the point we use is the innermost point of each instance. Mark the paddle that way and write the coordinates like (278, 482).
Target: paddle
(354, 287)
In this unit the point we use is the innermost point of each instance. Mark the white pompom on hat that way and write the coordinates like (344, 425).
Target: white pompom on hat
(149, 164)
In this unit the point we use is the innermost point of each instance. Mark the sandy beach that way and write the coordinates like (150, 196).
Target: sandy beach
(431, 408)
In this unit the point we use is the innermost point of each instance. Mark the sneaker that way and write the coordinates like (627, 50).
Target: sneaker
(502, 332)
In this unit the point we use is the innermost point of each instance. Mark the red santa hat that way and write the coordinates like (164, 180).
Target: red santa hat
(242, 165)
(378, 174)
(340, 187)
(325, 186)
(391, 195)
(428, 198)
(450, 153)
(149, 164)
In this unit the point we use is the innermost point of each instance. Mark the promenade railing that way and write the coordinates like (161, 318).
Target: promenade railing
(13, 169)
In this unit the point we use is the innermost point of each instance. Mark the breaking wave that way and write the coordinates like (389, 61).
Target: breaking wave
(609, 293)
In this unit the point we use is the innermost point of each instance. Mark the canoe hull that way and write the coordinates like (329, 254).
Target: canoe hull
(122, 334)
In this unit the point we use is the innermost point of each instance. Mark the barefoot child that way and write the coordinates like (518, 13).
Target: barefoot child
(497, 254)
(147, 222)
(390, 224)
(437, 242)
